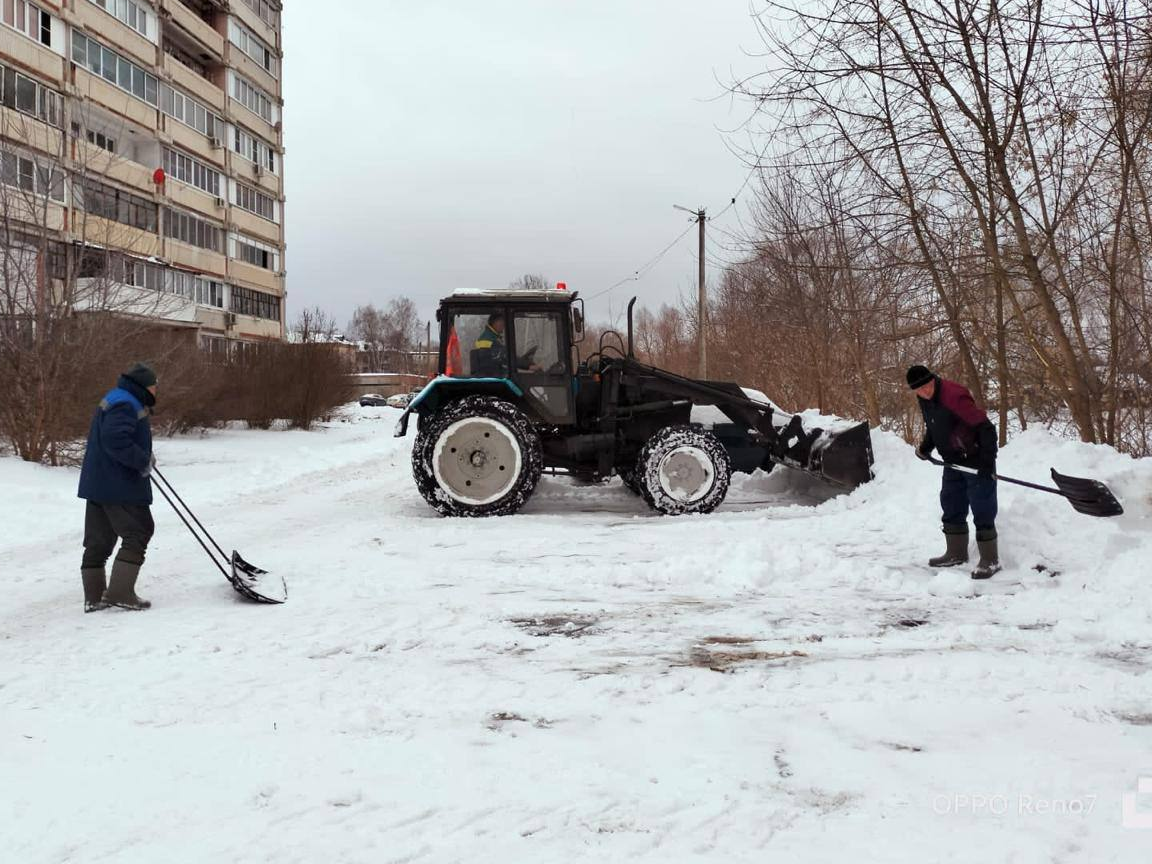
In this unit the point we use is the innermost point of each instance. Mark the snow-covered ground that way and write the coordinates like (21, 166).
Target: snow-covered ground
(783, 680)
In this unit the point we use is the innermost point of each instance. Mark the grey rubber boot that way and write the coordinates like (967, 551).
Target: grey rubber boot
(956, 536)
(93, 579)
(122, 587)
(989, 564)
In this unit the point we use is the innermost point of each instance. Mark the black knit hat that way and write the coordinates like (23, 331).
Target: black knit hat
(142, 374)
(918, 376)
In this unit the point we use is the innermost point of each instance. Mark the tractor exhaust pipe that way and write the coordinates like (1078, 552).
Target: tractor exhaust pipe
(631, 347)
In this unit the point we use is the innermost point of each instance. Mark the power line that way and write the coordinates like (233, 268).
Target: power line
(641, 271)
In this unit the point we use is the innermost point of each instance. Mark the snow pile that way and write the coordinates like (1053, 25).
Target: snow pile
(783, 679)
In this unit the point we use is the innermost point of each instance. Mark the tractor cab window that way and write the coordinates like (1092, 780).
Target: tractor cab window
(540, 364)
(477, 345)
(538, 343)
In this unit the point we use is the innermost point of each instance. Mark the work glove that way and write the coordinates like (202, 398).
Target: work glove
(987, 469)
(147, 472)
(921, 454)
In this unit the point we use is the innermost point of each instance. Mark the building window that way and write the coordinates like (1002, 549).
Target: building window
(28, 175)
(252, 97)
(253, 252)
(191, 171)
(267, 13)
(258, 304)
(99, 139)
(189, 112)
(247, 42)
(111, 203)
(26, 18)
(30, 97)
(209, 293)
(156, 277)
(135, 15)
(193, 230)
(114, 69)
(254, 150)
(255, 202)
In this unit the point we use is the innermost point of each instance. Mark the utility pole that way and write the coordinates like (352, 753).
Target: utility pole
(702, 298)
(429, 367)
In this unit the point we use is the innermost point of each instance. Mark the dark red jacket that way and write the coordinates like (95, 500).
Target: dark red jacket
(957, 427)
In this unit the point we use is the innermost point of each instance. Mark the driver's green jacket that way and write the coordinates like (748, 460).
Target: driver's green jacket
(489, 355)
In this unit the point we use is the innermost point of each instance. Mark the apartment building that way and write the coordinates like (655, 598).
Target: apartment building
(152, 128)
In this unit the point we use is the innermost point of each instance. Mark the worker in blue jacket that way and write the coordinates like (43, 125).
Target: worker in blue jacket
(115, 482)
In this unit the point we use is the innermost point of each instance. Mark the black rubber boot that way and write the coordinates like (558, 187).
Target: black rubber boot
(989, 564)
(122, 587)
(956, 536)
(93, 579)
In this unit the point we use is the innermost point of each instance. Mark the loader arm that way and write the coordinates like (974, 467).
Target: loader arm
(835, 450)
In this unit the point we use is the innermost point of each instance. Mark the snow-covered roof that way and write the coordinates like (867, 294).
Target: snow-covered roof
(547, 294)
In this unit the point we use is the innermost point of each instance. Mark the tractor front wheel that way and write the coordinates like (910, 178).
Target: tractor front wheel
(682, 469)
(477, 457)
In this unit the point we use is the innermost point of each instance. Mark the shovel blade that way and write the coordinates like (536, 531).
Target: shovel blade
(1087, 496)
(255, 583)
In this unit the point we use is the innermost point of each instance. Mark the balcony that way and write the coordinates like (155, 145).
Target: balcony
(116, 35)
(195, 143)
(194, 200)
(99, 162)
(193, 83)
(248, 326)
(253, 71)
(205, 40)
(115, 99)
(250, 276)
(37, 58)
(31, 132)
(114, 235)
(194, 258)
(248, 17)
(255, 226)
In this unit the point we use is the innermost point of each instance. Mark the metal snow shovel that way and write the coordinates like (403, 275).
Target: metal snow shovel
(249, 580)
(1090, 497)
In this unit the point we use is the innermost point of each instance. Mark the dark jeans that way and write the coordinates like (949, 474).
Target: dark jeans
(105, 523)
(960, 492)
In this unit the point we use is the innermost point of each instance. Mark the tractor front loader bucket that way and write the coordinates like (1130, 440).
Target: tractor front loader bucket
(833, 450)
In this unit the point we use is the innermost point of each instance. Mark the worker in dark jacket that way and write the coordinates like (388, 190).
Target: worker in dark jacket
(490, 352)
(115, 482)
(961, 432)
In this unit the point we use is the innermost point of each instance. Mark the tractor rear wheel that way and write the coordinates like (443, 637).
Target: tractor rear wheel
(477, 457)
(682, 469)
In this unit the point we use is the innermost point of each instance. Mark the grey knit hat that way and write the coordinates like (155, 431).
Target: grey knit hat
(142, 374)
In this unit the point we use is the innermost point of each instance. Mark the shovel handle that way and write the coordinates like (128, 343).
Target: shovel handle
(968, 470)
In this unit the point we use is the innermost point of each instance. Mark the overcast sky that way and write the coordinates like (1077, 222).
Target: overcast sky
(436, 145)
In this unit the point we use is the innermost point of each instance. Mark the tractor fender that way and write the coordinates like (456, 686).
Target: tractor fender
(444, 388)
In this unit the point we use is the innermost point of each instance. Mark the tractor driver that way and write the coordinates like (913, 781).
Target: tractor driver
(489, 352)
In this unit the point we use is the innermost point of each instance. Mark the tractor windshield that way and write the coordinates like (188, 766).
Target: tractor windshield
(477, 345)
(538, 342)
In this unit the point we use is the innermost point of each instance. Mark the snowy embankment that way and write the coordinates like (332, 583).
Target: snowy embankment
(782, 680)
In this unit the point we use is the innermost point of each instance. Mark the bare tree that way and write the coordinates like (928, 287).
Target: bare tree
(70, 310)
(996, 156)
(390, 336)
(530, 282)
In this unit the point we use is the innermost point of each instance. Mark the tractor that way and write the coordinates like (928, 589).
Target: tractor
(514, 399)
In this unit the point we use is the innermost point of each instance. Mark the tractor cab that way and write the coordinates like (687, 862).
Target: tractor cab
(514, 341)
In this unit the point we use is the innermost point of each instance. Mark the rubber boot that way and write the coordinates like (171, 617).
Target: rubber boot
(989, 564)
(956, 536)
(122, 587)
(93, 579)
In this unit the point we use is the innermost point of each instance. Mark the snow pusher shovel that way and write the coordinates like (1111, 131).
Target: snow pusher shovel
(1090, 497)
(249, 580)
